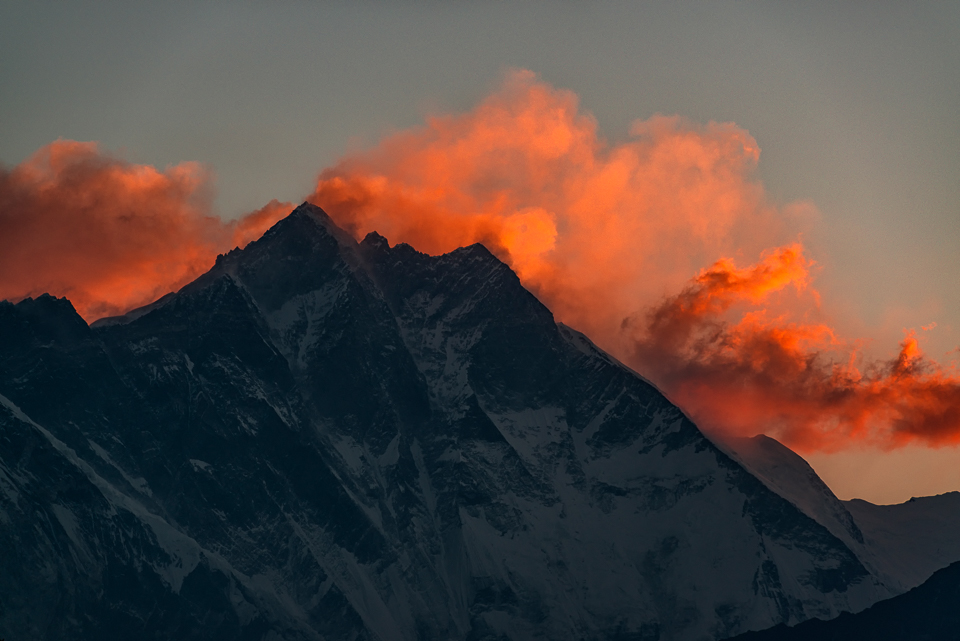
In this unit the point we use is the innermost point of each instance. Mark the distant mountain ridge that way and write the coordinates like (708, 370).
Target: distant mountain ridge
(324, 439)
(926, 613)
(902, 545)
(911, 540)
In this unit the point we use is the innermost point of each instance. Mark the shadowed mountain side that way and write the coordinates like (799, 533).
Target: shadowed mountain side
(926, 613)
(357, 441)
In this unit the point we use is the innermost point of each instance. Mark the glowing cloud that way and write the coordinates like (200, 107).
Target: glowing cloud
(605, 234)
(792, 379)
(108, 234)
(601, 232)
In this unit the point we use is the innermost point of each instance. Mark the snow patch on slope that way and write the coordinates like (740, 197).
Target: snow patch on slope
(786, 473)
(138, 483)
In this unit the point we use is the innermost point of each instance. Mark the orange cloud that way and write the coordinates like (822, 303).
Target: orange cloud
(601, 232)
(795, 380)
(596, 229)
(108, 234)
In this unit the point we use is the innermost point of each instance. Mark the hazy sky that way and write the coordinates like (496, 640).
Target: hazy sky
(855, 106)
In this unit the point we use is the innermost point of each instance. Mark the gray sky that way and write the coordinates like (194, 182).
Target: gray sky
(855, 105)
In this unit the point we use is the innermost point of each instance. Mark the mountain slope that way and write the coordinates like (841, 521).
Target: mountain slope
(902, 545)
(914, 539)
(357, 441)
(787, 474)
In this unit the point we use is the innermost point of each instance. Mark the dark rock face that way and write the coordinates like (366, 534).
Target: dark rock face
(928, 612)
(320, 439)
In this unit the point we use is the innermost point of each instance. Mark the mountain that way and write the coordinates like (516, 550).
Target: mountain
(911, 540)
(783, 471)
(902, 545)
(926, 613)
(325, 439)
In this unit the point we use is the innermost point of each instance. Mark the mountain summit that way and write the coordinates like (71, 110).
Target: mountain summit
(325, 439)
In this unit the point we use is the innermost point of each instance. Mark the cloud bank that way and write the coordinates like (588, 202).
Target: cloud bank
(108, 234)
(606, 234)
(796, 380)
(636, 242)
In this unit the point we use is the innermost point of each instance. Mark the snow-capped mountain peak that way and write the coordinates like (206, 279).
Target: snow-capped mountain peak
(328, 439)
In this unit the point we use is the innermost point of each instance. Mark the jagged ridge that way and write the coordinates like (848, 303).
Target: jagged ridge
(326, 439)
